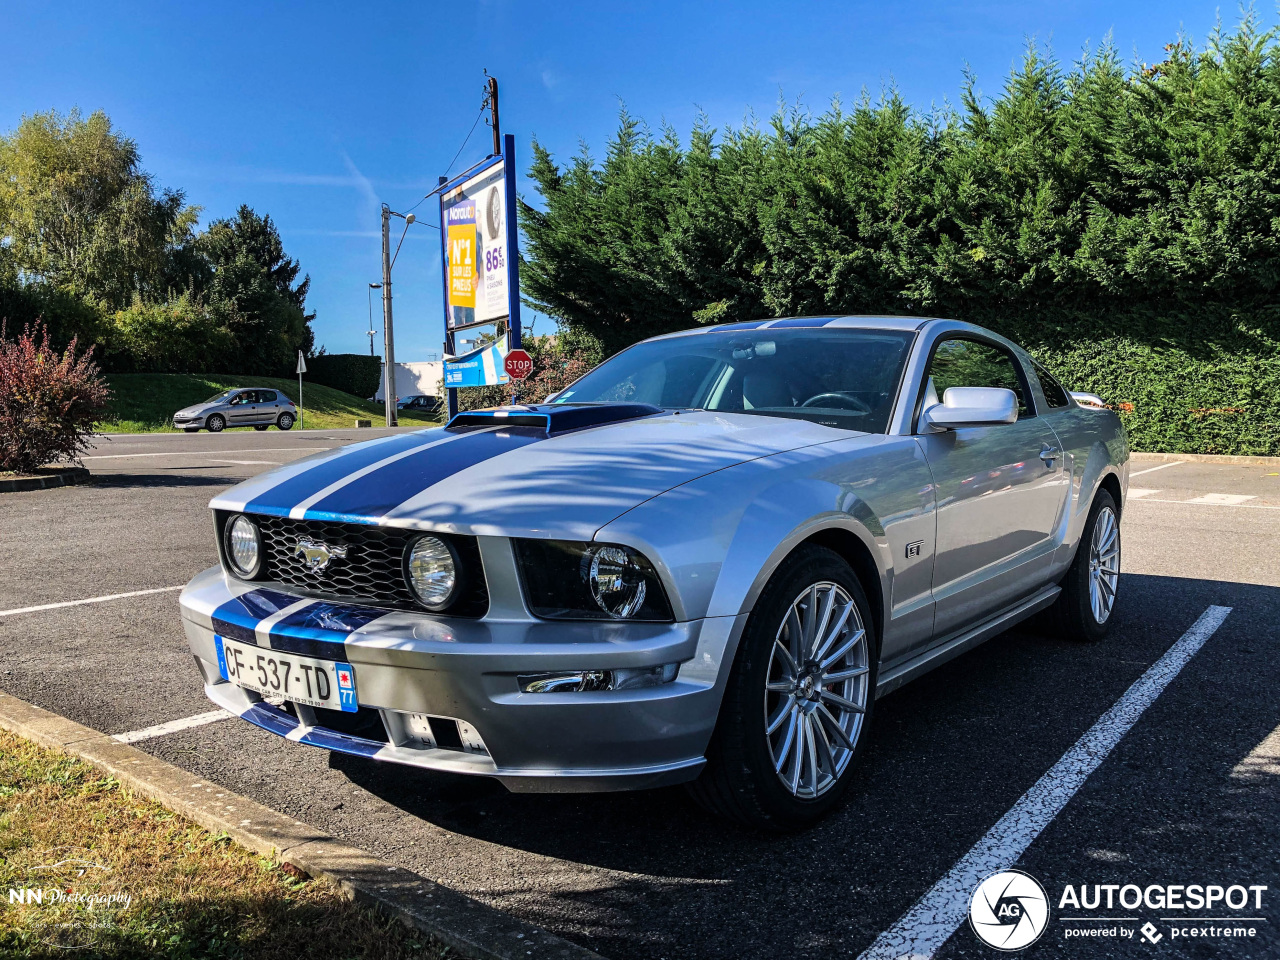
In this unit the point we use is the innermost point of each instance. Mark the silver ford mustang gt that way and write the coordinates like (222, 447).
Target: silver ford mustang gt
(702, 562)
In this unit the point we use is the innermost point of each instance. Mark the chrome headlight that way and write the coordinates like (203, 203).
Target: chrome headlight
(574, 580)
(244, 547)
(616, 579)
(431, 567)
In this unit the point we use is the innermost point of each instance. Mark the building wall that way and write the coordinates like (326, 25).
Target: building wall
(421, 377)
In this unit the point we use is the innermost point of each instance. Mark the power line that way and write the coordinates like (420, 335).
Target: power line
(483, 107)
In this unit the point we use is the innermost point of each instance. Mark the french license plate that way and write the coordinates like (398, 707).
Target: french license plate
(306, 680)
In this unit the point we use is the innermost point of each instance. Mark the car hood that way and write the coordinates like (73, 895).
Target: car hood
(517, 481)
(195, 409)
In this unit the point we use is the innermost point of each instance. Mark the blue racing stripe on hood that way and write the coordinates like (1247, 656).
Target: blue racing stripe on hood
(239, 617)
(283, 497)
(378, 493)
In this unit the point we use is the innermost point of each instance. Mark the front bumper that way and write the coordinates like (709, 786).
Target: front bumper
(465, 670)
(188, 422)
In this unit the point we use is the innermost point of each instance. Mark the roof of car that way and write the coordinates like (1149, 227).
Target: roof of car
(846, 322)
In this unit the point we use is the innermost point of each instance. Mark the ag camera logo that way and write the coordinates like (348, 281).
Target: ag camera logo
(1009, 911)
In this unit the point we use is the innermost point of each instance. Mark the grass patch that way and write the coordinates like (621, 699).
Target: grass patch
(192, 894)
(146, 402)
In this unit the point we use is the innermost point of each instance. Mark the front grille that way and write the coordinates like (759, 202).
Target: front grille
(372, 571)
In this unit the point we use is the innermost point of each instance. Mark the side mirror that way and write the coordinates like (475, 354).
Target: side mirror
(972, 407)
(1088, 399)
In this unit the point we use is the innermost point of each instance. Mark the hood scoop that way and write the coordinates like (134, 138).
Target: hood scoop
(553, 418)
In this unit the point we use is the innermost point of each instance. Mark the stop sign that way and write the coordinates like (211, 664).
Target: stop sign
(518, 365)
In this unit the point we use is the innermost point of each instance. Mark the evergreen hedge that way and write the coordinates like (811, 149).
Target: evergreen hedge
(1122, 223)
(352, 373)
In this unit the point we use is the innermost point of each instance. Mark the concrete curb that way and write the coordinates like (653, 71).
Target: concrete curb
(57, 477)
(466, 926)
(1206, 458)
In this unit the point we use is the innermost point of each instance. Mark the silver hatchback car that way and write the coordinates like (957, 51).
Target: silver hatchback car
(243, 407)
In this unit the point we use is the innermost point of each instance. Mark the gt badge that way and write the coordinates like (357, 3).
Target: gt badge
(913, 548)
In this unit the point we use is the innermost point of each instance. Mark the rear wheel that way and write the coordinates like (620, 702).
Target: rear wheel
(215, 423)
(285, 421)
(1083, 610)
(799, 700)
(261, 426)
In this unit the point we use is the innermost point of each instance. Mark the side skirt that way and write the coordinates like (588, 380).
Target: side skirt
(935, 656)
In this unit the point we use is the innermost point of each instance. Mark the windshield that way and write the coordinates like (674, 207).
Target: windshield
(224, 395)
(841, 378)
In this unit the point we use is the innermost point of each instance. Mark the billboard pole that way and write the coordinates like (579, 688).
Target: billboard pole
(513, 240)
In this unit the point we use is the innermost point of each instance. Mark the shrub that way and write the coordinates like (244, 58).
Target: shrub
(352, 373)
(557, 362)
(181, 336)
(48, 402)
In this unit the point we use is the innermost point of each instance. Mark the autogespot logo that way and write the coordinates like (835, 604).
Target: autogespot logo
(1009, 911)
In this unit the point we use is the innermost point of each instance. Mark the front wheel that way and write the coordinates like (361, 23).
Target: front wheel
(261, 426)
(285, 421)
(1083, 610)
(799, 699)
(215, 423)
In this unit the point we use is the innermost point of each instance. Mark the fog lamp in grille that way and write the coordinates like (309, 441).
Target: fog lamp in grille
(585, 681)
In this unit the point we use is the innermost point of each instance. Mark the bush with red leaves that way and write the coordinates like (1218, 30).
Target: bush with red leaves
(48, 403)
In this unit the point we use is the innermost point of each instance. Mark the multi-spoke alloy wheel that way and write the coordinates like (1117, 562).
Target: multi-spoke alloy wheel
(798, 704)
(1083, 611)
(1104, 564)
(816, 689)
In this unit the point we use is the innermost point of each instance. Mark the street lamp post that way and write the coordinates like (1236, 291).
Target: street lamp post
(372, 287)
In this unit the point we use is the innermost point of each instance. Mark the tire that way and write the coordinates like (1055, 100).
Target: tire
(216, 423)
(190, 429)
(261, 426)
(742, 780)
(1076, 613)
(285, 421)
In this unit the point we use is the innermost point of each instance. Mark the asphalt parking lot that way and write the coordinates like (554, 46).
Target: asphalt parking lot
(1189, 795)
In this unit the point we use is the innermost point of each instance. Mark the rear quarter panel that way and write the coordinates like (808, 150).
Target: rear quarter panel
(1096, 445)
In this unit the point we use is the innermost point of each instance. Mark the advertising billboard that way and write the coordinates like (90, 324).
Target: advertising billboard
(474, 214)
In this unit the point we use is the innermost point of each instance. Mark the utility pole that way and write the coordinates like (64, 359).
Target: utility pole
(493, 112)
(388, 338)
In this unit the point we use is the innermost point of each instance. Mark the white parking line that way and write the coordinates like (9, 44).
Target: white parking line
(1137, 493)
(244, 462)
(924, 928)
(76, 603)
(1138, 473)
(173, 726)
(1203, 502)
(194, 453)
(1224, 499)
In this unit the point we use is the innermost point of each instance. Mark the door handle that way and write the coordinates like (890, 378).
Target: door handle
(1049, 454)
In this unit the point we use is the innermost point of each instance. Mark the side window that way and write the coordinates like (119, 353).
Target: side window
(243, 397)
(266, 396)
(1054, 394)
(970, 363)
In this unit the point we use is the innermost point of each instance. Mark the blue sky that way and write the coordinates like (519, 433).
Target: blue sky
(316, 113)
